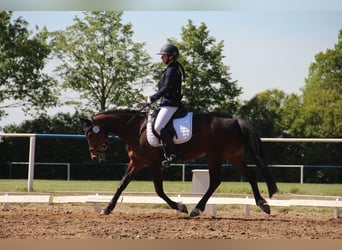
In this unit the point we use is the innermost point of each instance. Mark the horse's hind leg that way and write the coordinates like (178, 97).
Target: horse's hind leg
(214, 182)
(250, 176)
(158, 186)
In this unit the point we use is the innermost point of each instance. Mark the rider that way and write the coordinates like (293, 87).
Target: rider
(169, 90)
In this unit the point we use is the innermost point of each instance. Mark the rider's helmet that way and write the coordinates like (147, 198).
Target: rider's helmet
(169, 49)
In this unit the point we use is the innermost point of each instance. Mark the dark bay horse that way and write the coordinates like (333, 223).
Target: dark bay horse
(216, 135)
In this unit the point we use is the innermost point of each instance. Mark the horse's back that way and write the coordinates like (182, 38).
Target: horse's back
(215, 120)
(216, 127)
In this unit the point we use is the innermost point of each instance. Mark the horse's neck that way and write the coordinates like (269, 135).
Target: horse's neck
(123, 125)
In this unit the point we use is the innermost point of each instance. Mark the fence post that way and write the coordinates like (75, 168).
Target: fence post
(301, 174)
(31, 163)
(68, 171)
(337, 210)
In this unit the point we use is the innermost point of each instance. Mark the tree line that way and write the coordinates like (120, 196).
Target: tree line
(98, 59)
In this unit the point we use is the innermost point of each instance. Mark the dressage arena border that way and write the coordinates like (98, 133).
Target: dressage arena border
(328, 201)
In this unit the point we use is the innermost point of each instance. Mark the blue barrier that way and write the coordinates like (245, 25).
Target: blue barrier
(61, 135)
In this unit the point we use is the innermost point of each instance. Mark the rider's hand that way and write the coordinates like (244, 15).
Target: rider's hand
(147, 102)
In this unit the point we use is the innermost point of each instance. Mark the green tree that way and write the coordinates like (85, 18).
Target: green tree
(101, 61)
(272, 112)
(22, 60)
(208, 85)
(265, 111)
(321, 114)
(290, 114)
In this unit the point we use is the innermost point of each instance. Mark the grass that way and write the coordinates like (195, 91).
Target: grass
(51, 186)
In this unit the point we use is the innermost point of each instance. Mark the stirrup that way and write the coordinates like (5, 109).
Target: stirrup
(169, 159)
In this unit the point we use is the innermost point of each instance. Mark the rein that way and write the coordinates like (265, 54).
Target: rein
(137, 113)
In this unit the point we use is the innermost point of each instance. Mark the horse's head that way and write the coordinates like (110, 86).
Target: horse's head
(97, 139)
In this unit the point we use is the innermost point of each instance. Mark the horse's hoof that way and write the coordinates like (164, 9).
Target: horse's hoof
(195, 212)
(182, 208)
(105, 211)
(264, 207)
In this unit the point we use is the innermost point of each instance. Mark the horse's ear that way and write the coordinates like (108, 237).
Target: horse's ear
(86, 121)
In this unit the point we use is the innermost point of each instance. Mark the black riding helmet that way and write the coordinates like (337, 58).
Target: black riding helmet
(169, 49)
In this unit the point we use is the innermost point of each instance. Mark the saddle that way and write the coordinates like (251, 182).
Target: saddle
(180, 126)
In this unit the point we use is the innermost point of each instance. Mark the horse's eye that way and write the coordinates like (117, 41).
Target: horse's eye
(96, 129)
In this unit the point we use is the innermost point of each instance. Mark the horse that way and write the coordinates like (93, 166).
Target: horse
(218, 136)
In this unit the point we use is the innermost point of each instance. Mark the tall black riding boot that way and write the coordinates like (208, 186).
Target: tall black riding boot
(169, 147)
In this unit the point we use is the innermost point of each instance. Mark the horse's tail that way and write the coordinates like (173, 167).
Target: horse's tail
(254, 144)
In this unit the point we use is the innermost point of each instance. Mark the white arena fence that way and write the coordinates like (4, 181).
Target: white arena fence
(97, 199)
(5, 199)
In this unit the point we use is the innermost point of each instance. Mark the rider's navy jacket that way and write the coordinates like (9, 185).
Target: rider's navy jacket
(169, 86)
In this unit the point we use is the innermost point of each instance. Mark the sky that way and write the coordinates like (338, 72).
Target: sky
(264, 49)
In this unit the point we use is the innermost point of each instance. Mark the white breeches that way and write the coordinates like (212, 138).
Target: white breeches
(164, 116)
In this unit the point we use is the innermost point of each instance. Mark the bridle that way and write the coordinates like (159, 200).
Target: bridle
(103, 146)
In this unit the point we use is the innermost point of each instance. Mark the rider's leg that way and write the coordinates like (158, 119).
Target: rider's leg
(162, 119)
(169, 146)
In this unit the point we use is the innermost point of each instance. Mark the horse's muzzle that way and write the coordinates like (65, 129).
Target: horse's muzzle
(97, 156)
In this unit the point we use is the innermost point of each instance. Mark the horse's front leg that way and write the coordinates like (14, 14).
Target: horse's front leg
(158, 186)
(214, 182)
(126, 179)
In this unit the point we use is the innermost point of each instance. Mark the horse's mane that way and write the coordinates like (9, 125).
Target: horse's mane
(221, 114)
(121, 112)
(131, 112)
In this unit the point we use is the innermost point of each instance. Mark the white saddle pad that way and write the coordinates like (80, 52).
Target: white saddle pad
(183, 127)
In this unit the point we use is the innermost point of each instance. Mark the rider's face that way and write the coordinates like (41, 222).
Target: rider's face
(164, 58)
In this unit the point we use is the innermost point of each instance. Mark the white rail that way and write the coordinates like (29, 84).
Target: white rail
(332, 202)
(329, 140)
